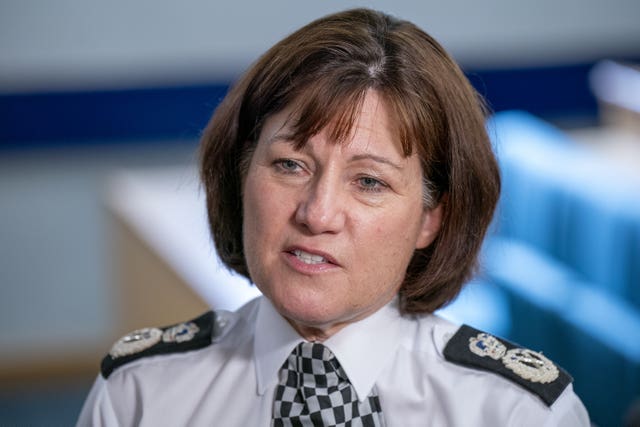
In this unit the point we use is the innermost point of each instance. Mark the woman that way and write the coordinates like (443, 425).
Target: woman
(349, 176)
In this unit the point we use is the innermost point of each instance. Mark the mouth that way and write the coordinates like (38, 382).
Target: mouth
(308, 258)
(311, 257)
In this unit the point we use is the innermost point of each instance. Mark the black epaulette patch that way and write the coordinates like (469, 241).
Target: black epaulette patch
(530, 369)
(146, 342)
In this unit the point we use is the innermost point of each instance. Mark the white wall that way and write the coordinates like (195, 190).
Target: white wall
(57, 294)
(83, 43)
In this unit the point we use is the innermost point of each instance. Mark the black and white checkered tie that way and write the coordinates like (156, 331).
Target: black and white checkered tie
(315, 391)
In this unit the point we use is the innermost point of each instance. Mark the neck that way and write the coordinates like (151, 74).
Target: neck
(314, 333)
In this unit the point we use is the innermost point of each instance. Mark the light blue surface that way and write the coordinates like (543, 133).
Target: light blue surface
(482, 305)
(567, 256)
(563, 199)
(556, 289)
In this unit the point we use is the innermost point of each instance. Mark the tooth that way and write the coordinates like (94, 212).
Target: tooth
(308, 258)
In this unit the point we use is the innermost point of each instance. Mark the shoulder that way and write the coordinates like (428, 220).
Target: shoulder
(530, 370)
(151, 343)
(488, 378)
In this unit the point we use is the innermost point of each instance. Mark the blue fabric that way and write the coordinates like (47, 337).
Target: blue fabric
(564, 200)
(589, 331)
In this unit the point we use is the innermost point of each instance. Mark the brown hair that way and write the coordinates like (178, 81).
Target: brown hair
(324, 70)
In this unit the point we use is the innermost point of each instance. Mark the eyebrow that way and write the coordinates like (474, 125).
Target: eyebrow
(279, 137)
(375, 158)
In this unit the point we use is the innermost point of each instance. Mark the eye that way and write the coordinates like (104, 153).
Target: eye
(287, 166)
(370, 184)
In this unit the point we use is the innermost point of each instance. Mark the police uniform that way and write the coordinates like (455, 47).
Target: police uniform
(222, 369)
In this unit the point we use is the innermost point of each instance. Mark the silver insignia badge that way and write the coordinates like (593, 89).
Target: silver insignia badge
(531, 365)
(180, 333)
(135, 342)
(487, 345)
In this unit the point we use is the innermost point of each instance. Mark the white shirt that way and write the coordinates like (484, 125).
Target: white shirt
(232, 381)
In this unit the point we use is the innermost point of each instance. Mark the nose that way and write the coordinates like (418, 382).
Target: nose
(321, 207)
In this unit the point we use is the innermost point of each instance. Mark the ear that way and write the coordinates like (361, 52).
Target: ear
(431, 222)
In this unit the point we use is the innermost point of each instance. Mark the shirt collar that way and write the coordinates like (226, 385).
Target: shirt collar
(366, 347)
(363, 348)
(274, 339)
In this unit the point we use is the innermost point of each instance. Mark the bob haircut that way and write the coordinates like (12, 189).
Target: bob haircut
(323, 71)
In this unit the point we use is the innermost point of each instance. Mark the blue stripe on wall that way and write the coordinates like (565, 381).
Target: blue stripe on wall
(87, 117)
(547, 92)
(181, 112)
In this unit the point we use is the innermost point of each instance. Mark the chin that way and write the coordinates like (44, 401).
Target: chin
(311, 311)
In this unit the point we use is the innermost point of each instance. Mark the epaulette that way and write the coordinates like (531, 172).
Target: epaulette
(145, 342)
(530, 369)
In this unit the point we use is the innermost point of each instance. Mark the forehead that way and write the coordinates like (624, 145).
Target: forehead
(367, 121)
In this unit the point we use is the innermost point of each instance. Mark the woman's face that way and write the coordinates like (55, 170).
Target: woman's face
(329, 230)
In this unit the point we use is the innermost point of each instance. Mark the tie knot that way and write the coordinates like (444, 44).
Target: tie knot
(314, 390)
(315, 359)
(313, 365)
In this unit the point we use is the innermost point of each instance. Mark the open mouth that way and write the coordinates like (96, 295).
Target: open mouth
(313, 257)
(308, 258)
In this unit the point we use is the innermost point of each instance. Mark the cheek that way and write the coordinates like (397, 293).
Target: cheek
(266, 212)
(393, 230)
(392, 239)
(252, 207)
(253, 201)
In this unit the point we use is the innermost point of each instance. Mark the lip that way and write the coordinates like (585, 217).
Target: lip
(329, 264)
(312, 251)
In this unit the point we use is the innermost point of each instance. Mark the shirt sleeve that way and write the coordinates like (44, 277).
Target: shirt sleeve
(98, 409)
(568, 411)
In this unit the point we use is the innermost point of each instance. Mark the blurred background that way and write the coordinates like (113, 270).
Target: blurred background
(101, 216)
